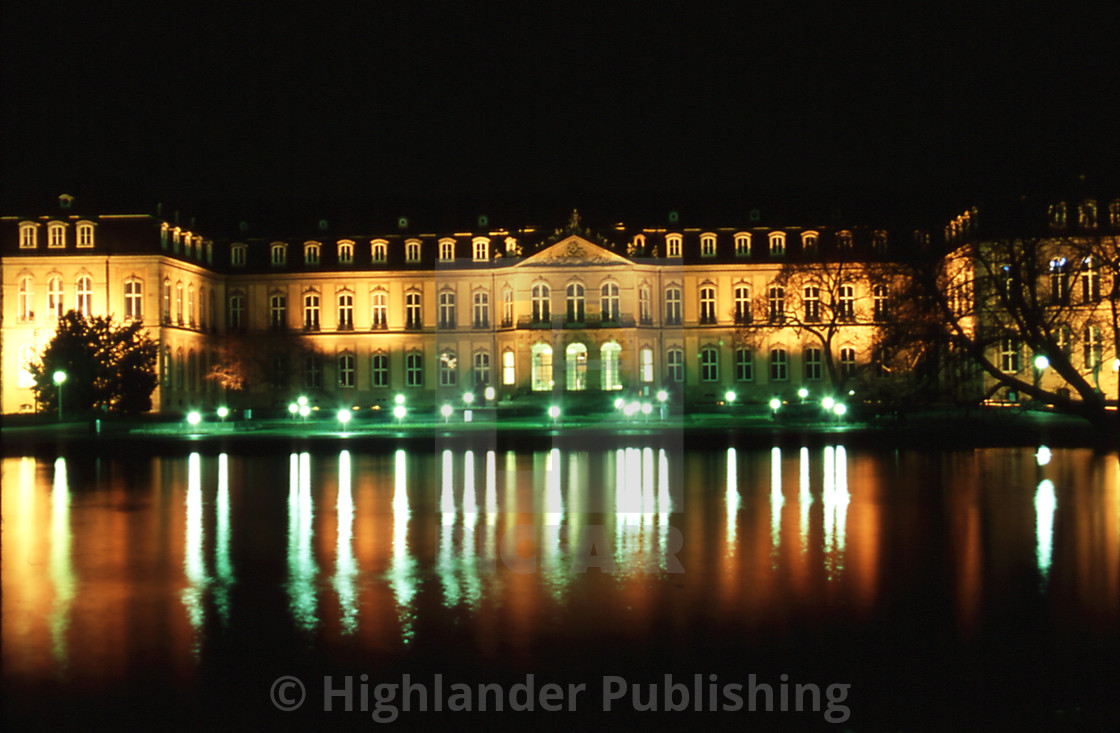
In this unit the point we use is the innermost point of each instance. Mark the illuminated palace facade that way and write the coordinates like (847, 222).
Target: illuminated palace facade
(352, 320)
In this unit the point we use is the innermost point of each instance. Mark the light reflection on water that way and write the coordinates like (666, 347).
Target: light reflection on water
(499, 546)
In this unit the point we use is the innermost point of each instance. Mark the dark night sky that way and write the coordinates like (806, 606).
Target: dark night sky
(498, 105)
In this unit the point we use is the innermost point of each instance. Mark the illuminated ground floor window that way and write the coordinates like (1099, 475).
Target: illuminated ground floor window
(542, 367)
(610, 360)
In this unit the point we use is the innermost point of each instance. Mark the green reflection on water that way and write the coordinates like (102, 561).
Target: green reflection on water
(346, 566)
(222, 562)
(194, 564)
(1045, 505)
(301, 561)
(402, 568)
(777, 501)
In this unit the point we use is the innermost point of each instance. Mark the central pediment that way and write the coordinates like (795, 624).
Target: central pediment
(573, 251)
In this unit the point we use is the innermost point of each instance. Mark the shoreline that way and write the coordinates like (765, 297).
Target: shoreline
(941, 430)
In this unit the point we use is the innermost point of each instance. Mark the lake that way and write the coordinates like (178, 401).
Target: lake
(727, 588)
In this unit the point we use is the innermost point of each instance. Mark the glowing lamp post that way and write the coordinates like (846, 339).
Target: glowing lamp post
(223, 413)
(619, 403)
(729, 397)
(344, 418)
(193, 419)
(803, 394)
(399, 412)
(399, 399)
(1041, 364)
(293, 410)
(468, 398)
(775, 405)
(59, 378)
(554, 413)
(828, 403)
(446, 411)
(647, 408)
(840, 409)
(304, 411)
(662, 398)
(489, 394)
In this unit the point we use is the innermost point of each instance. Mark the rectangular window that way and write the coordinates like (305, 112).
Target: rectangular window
(1009, 355)
(277, 312)
(312, 372)
(237, 255)
(379, 370)
(85, 235)
(345, 312)
(412, 311)
(481, 369)
(812, 304)
(508, 372)
(645, 364)
(673, 307)
(414, 370)
(133, 301)
(813, 364)
(236, 312)
(311, 312)
(709, 365)
(481, 310)
(847, 363)
(707, 305)
(380, 310)
(675, 363)
(507, 308)
(744, 365)
(447, 309)
(448, 374)
(779, 365)
(28, 236)
(56, 236)
(346, 370)
(412, 251)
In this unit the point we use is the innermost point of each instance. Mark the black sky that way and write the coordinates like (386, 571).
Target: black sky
(485, 104)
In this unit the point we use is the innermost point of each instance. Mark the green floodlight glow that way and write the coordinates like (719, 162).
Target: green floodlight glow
(293, 408)
(827, 403)
(851, 392)
(59, 377)
(1041, 362)
(729, 396)
(302, 401)
(1043, 455)
(223, 412)
(490, 394)
(446, 411)
(802, 393)
(344, 416)
(775, 404)
(399, 412)
(304, 411)
(840, 409)
(647, 408)
(619, 404)
(399, 399)
(554, 412)
(662, 395)
(468, 397)
(194, 418)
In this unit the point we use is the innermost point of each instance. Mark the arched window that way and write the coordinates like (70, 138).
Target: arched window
(507, 307)
(744, 365)
(709, 364)
(812, 303)
(379, 250)
(446, 250)
(345, 252)
(412, 250)
(743, 244)
(202, 311)
(311, 311)
(166, 305)
(165, 367)
(447, 309)
(85, 234)
(1090, 280)
(673, 245)
(609, 303)
(509, 374)
(28, 235)
(379, 309)
(846, 303)
(541, 367)
(481, 314)
(279, 254)
(575, 302)
(879, 300)
(83, 294)
(809, 243)
(26, 298)
(645, 305)
(179, 368)
(1094, 348)
(481, 249)
(237, 311)
(844, 239)
(777, 244)
(190, 305)
(541, 310)
(412, 314)
(54, 297)
(278, 311)
(707, 304)
(56, 234)
(312, 371)
(707, 245)
(576, 370)
(345, 311)
(238, 255)
(179, 303)
(609, 355)
(847, 362)
(311, 253)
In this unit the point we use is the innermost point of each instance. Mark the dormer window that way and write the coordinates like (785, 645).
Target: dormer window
(1058, 215)
(345, 252)
(85, 234)
(175, 240)
(844, 238)
(879, 241)
(279, 254)
(163, 232)
(1087, 214)
(1114, 214)
(238, 255)
(311, 253)
(412, 250)
(28, 235)
(743, 244)
(777, 244)
(56, 234)
(379, 250)
(707, 245)
(809, 243)
(673, 245)
(446, 250)
(481, 247)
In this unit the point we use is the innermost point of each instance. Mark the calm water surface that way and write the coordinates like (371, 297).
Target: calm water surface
(976, 589)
